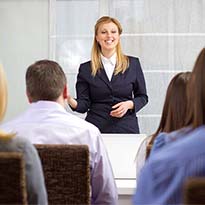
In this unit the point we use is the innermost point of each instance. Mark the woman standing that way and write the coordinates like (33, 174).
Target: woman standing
(111, 87)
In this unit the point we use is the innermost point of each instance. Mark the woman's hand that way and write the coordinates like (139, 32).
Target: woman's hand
(72, 102)
(120, 109)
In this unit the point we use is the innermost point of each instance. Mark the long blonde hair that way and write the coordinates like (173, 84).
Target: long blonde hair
(3, 102)
(122, 60)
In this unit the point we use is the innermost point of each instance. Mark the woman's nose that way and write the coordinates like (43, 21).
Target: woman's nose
(109, 33)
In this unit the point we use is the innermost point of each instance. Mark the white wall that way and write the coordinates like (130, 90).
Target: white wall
(23, 40)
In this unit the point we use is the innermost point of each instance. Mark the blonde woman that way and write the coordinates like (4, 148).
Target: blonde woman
(111, 87)
(9, 142)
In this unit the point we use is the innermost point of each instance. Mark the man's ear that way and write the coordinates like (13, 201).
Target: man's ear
(65, 92)
(28, 97)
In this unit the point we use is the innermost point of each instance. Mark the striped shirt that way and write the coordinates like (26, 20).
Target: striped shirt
(162, 178)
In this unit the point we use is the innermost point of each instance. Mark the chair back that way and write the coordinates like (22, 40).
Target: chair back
(194, 191)
(12, 179)
(67, 173)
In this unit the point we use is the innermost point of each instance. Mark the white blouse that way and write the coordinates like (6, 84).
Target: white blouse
(109, 65)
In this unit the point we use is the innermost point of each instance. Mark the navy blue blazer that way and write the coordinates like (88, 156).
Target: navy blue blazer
(96, 95)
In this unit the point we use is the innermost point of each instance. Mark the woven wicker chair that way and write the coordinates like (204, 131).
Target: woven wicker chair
(12, 178)
(67, 173)
(194, 191)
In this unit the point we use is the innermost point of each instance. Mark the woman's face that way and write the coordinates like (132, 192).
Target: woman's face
(108, 37)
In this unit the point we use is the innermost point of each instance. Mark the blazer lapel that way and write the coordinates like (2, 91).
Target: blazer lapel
(103, 76)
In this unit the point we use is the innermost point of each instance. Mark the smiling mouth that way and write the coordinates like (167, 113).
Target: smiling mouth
(109, 41)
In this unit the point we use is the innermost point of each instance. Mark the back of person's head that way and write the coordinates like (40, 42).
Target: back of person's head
(175, 106)
(3, 102)
(45, 80)
(196, 96)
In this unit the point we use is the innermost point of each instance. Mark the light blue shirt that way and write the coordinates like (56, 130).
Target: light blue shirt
(165, 138)
(162, 178)
(36, 189)
(46, 122)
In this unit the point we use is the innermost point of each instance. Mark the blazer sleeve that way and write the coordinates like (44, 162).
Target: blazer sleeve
(82, 89)
(140, 92)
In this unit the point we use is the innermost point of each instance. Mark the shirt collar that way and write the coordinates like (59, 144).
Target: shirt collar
(44, 104)
(112, 60)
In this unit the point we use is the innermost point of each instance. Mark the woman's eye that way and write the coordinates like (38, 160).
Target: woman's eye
(114, 31)
(103, 32)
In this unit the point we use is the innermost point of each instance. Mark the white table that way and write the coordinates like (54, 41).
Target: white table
(122, 149)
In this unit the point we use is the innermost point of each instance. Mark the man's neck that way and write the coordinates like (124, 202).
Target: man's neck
(61, 101)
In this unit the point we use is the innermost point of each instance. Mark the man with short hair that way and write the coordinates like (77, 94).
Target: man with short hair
(47, 122)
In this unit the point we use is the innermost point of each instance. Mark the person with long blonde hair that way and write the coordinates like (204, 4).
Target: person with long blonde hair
(111, 86)
(11, 142)
(3, 93)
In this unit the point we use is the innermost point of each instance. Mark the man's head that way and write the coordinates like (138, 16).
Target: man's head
(45, 80)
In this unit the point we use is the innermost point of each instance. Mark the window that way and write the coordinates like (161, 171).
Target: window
(165, 35)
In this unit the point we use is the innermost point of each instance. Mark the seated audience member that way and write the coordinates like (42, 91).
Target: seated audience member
(172, 118)
(9, 142)
(174, 111)
(163, 176)
(47, 122)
